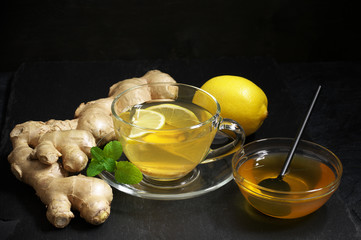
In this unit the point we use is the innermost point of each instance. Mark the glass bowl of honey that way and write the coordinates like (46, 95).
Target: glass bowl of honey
(313, 176)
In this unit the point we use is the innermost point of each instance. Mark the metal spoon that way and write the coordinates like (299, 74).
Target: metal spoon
(278, 183)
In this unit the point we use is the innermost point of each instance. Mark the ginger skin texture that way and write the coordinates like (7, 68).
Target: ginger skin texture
(38, 146)
(74, 152)
(90, 196)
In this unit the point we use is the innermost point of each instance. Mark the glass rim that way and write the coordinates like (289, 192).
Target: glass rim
(328, 188)
(209, 120)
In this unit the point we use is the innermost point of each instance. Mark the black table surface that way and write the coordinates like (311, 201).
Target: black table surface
(53, 90)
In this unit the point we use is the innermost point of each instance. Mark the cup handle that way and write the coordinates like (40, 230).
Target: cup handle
(238, 140)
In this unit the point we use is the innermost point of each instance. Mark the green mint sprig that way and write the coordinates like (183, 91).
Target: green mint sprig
(106, 159)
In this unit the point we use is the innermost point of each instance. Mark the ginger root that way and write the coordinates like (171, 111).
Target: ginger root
(96, 118)
(52, 139)
(90, 196)
(72, 145)
(37, 147)
(29, 133)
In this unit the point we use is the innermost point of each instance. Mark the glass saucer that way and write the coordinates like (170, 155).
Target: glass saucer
(205, 178)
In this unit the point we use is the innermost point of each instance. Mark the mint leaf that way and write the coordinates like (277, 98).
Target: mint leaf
(106, 159)
(127, 173)
(94, 168)
(109, 164)
(113, 150)
(97, 154)
(96, 165)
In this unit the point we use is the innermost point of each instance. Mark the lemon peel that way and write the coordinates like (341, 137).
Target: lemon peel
(240, 99)
(145, 119)
(175, 115)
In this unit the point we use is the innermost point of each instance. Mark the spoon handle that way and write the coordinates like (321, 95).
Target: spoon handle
(298, 136)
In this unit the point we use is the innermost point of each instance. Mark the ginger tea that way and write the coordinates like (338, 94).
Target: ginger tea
(173, 141)
(304, 174)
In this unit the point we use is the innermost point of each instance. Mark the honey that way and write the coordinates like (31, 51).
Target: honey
(306, 177)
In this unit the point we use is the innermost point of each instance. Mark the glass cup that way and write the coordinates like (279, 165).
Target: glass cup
(171, 151)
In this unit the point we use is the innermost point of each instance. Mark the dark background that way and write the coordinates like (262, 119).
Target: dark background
(88, 30)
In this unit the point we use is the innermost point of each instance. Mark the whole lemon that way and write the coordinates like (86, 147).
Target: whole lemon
(240, 99)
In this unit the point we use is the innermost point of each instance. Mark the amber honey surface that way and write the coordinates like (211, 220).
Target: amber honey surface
(305, 174)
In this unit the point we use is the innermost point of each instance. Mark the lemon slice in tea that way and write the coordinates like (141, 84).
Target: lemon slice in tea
(146, 119)
(175, 115)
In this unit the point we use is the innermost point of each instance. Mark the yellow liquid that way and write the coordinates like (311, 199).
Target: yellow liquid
(304, 174)
(168, 153)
